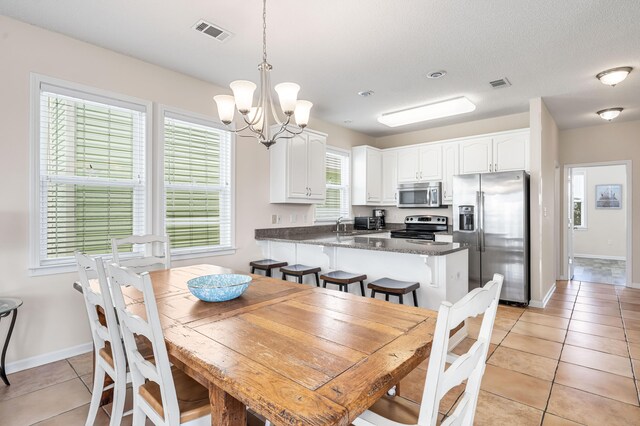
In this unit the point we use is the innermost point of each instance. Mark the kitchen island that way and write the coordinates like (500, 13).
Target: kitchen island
(440, 268)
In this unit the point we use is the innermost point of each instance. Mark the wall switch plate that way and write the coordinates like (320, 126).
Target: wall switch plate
(274, 219)
(304, 218)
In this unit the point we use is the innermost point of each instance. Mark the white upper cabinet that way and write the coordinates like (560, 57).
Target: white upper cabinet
(498, 153)
(476, 155)
(511, 152)
(297, 169)
(408, 165)
(366, 163)
(450, 168)
(316, 169)
(389, 178)
(422, 163)
(430, 162)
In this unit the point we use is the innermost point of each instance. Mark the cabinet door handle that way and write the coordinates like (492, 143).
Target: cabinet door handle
(416, 175)
(420, 175)
(368, 195)
(490, 167)
(496, 167)
(395, 195)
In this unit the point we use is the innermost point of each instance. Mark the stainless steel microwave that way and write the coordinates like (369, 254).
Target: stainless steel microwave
(423, 194)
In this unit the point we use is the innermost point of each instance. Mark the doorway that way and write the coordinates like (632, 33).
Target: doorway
(598, 222)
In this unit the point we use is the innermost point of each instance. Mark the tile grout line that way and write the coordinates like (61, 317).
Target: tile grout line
(555, 373)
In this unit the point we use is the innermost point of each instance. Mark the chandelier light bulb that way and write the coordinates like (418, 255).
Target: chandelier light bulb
(288, 95)
(226, 107)
(302, 111)
(256, 118)
(243, 92)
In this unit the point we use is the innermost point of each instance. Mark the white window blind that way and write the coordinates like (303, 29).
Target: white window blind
(337, 203)
(91, 177)
(197, 182)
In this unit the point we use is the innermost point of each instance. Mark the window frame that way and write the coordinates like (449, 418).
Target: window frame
(346, 188)
(38, 265)
(159, 219)
(584, 225)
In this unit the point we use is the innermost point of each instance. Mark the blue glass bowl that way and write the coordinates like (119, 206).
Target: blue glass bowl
(218, 287)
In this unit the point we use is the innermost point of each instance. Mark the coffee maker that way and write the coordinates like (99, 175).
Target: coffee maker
(379, 215)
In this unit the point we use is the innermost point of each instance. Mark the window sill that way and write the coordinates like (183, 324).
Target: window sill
(195, 254)
(71, 267)
(580, 228)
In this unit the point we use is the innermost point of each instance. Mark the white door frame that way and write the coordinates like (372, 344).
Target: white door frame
(629, 209)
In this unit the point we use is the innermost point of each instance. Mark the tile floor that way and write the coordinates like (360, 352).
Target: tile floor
(600, 270)
(575, 362)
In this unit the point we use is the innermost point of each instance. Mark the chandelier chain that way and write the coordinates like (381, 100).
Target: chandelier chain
(264, 30)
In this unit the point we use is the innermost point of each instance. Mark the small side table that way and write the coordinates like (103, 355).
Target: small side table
(7, 306)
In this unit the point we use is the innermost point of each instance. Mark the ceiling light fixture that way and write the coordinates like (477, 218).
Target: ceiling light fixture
(437, 74)
(442, 109)
(609, 113)
(614, 75)
(258, 119)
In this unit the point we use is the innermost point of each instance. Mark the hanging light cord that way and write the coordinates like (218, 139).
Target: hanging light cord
(264, 30)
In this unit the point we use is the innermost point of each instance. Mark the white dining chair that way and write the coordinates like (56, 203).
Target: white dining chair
(469, 366)
(108, 347)
(161, 392)
(157, 252)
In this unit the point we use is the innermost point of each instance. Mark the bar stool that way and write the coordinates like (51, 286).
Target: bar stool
(343, 279)
(266, 265)
(300, 271)
(391, 287)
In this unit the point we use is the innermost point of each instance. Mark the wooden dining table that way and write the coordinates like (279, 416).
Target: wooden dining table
(293, 353)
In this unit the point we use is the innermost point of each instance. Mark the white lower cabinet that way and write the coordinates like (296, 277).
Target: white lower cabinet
(297, 169)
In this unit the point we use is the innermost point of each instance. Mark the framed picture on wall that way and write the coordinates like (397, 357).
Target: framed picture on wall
(608, 196)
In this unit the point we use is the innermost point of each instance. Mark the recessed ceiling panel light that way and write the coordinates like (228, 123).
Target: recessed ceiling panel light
(447, 108)
(609, 113)
(366, 93)
(437, 74)
(614, 75)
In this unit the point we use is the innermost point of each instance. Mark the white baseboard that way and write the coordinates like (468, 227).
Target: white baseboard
(599, 256)
(38, 360)
(542, 303)
(633, 285)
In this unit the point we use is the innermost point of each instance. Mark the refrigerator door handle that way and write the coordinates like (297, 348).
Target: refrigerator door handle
(481, 208)
(478, 223)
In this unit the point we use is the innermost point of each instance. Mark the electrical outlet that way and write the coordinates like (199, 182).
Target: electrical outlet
(293, 218)
(278, 219)
(274, 219)
(609, 242)
(304, 218)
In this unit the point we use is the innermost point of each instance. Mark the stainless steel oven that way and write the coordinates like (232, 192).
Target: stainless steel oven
(423, 194)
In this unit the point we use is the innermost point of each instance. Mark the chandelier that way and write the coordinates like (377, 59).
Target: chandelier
(263, 119)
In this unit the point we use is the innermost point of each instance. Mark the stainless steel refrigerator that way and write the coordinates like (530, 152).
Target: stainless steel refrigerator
(491, 215)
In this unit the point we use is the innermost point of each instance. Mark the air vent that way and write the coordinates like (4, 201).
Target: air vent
(211, 30)
(499, 84)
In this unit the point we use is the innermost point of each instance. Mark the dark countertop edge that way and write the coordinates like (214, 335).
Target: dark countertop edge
(423, 252)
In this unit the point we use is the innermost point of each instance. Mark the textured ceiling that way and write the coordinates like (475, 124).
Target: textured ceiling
(335, 48)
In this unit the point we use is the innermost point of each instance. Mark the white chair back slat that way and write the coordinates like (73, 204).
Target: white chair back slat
(93, 300)
(471, 305)
(136, 325)
(462, 368)
(142, 370)
(469, 366)
(157, 252)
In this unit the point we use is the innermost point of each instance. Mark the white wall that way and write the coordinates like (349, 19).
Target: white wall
(606, 232)
(544, 228)
(53, 316)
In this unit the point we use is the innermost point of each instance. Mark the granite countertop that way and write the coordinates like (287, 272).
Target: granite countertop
(365, 240)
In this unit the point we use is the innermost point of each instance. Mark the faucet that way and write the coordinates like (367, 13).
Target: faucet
(338, 222)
